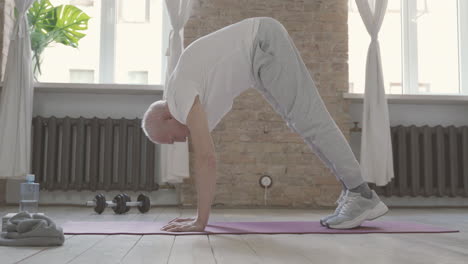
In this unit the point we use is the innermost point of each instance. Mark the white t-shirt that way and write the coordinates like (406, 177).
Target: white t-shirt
(217, 67)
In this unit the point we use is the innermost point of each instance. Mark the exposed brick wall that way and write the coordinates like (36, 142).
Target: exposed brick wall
(252, 139)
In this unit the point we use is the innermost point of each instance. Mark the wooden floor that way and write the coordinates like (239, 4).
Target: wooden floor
(450, 248)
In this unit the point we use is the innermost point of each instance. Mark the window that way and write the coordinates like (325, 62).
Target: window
(81, 76)
(125, 43)
(420, 44)
(136, 11)
(138, 77)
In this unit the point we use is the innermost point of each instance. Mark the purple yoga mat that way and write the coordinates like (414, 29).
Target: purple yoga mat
(289, 227)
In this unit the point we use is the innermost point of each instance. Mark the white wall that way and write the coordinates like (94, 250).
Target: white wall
(92, 105)
(420, 114)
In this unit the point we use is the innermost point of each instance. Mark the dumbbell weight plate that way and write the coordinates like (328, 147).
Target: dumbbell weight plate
(145, 203)
(101, 204)
(120, 206)
(127, 199)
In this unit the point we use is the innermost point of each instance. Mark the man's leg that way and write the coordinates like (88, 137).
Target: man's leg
(283, 78)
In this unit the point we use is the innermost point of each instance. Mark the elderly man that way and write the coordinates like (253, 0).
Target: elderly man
(212, 71)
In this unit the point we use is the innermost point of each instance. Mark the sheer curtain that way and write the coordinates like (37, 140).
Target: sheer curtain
(16, 100)
(175, 157)
(376, 146)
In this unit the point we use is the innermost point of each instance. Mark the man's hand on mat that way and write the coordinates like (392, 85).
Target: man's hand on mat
(177, 219)
(184, 225)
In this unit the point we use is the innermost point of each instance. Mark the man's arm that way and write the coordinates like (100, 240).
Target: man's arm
(205, 160)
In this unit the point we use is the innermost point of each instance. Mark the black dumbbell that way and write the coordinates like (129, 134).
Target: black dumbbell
(143, 203)
(127, 199)
(117, 204)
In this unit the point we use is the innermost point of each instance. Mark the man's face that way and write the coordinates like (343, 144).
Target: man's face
(161, 127)
(174, 132)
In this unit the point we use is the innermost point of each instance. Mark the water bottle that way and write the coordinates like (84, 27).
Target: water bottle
(29, 195)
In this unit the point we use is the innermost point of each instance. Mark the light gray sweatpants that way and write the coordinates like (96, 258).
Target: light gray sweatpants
(284, 81)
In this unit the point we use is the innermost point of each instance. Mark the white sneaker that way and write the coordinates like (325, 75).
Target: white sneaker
(338, 208)
(357, 209)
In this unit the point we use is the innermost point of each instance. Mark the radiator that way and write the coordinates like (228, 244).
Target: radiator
(428, 161)
(93, 154)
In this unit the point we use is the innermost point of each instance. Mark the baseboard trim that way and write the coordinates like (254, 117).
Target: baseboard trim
(3, 183)
(431, 201)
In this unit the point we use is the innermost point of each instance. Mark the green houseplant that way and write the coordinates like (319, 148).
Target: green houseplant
(61, 24)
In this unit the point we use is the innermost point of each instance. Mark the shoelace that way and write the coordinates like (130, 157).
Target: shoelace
(346, 205)
(340, 199)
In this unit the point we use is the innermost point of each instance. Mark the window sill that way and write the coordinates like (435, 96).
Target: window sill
(96, 88)
(413, 98)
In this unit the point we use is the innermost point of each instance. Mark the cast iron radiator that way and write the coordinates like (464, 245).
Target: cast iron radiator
(93, 154)
(428, 161)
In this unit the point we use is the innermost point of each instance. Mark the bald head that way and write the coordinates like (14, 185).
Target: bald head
(160, 126)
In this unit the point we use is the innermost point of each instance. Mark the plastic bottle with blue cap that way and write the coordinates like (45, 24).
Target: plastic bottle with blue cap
(29, 195)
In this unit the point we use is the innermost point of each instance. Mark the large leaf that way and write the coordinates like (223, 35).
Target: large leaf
(39, 15)
(69, 21)
(62, 24)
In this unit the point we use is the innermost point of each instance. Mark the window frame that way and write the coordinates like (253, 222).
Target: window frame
(107, 41)
(409, 48)
(462, 8)
(147, 13)
(107, 45)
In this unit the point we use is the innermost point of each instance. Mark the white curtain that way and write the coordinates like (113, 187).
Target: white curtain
(16, 100)
(175, 157)
(376, 147)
